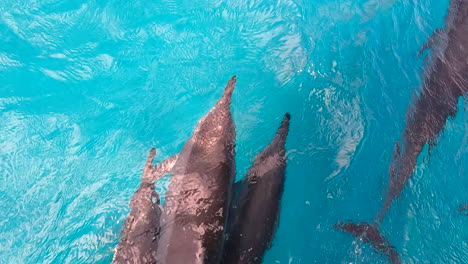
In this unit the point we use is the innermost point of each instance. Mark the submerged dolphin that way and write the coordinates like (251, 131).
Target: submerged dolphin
(446, 82)
(255, 212)
(197, 199)
(141, 230)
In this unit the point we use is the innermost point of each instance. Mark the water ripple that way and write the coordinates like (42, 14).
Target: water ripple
(90, 86)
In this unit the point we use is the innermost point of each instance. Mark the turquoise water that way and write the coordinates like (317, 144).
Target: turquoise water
(88, 87)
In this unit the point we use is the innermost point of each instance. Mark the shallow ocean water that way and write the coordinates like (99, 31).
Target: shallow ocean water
(88, 87)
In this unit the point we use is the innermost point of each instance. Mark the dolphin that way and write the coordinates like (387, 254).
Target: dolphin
(255, 212)
(198, 197)
(446, 81)
(141, 230)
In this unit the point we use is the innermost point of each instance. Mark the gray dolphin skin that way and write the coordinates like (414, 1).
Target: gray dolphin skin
(446, 82)
(142, 226)
(199, 193)
(255, 211)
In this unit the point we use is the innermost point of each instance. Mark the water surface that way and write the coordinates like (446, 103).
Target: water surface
(88, 87)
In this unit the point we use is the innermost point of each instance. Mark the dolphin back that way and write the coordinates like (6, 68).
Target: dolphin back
(141, 229)
(198, 196)
(254, 215)
(445, 82)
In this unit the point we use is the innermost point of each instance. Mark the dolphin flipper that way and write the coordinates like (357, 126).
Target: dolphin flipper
(436, 35)
(370, 234)
(148, 167)
(153, 173)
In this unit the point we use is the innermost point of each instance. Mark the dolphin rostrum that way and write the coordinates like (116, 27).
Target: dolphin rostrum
(199, 192)
(141, 229)
(445, 83)
(255, 211)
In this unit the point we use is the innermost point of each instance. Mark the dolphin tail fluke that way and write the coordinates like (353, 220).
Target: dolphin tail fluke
(370, 234)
